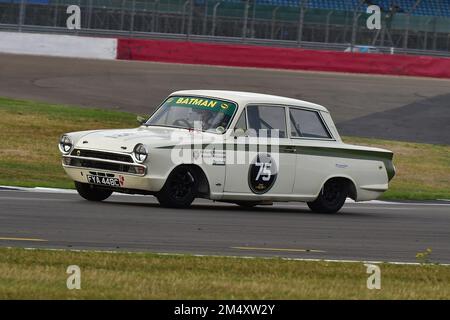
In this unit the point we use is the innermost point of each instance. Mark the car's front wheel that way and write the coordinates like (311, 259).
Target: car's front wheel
(332, 197)
(180, 188)
(91, 192)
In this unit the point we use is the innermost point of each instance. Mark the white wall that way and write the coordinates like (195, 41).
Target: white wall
(58, 45)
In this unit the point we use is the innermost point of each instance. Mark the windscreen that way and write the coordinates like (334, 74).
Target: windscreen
(212, 115)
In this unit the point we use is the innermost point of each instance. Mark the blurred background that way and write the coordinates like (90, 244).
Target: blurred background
(408, 26)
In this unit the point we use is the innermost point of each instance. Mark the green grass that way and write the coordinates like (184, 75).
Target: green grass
(41, 274)
(29, 155)
(423, 170)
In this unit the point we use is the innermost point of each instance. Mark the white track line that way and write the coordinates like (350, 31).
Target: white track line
(238, 257)
(37, 189)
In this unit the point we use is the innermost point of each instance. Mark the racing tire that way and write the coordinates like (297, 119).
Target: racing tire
(180, 189)
(91, 192)
(331, 198)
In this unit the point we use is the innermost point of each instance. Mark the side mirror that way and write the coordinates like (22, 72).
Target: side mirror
(141, 120)
(239, 132)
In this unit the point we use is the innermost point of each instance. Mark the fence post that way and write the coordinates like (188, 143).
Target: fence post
(155, 16)
(213, 29)
(244, 27)
(55, 16)
(252, 26)
(191, 13)
(383, 32)
(356, 16)
(301, 20)
(434, 33)
(183, 20)
(22, 11)
(205, 18)
(425, 37)
(122, 14)
(327, 27)
(79, 5)
(133, 12)
(354, 27)
(408, 18)
(406, 35)
(272, 27)
(90, 14)
(448, 42)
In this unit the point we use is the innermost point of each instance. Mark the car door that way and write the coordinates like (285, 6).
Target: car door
(263, 164)
(311, 137)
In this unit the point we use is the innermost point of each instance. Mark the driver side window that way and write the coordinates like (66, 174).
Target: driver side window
(267, 118)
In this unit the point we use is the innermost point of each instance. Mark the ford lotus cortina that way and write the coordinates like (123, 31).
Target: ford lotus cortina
(238, 147)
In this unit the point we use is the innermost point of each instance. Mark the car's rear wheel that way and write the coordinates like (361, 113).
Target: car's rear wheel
(332, 197)
(91, 192)
(180, 188)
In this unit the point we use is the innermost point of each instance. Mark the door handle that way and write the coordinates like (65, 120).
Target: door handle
(291, 149)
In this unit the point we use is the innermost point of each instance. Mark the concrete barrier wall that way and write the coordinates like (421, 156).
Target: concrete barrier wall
(222, 54)
(58, 45)
(281, 58)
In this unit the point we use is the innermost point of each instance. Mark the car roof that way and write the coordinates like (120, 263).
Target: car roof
(243, 98)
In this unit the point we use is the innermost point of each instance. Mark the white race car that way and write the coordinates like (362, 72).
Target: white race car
(239, 147)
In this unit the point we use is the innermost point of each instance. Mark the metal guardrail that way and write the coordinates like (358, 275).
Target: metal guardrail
(216, 39)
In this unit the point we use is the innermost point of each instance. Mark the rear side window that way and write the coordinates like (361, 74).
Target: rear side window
(307, 124)
(267, 118)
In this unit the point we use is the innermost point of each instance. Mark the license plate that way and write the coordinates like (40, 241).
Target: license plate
(104, 181)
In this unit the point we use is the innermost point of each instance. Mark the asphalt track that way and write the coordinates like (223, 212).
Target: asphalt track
(376, 231)
(398, 108)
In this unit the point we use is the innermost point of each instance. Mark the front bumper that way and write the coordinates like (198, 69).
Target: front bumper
(127, 181)
(128, 175)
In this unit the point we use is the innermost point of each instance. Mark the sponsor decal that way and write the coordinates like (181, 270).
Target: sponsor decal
(119, 135)
(197, 102)
(202, 103)
(262, 173)
(196, 154)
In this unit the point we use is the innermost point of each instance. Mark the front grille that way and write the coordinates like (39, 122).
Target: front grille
(102, 155)
(99, 165)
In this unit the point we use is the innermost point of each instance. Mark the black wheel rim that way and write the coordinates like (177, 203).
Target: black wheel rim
(181, 184)
(332, 193)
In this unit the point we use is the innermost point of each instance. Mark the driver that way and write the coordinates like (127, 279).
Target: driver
(206, 117)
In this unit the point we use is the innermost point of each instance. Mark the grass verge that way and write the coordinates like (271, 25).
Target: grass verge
(41, 274)
(423, 170)
(29, 155)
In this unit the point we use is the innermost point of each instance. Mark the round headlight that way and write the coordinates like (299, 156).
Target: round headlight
(65, 144)
(140, 153)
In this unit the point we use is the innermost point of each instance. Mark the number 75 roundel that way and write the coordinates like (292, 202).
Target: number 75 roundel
(262, 173)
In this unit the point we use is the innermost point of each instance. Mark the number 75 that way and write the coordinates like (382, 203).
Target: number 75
(264, 171)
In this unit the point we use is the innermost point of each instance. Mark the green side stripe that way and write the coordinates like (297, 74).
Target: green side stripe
(385, 157)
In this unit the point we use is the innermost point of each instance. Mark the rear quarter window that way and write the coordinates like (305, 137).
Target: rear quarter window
(307, 124)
